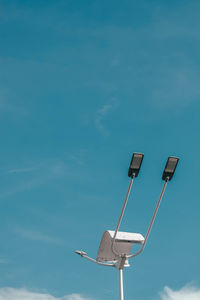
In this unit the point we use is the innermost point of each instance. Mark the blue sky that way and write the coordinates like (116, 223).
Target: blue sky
(83, 85)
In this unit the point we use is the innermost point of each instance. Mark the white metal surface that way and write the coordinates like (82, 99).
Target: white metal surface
(121, 288)
(123, 243)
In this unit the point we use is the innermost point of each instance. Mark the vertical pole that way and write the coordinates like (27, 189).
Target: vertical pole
(121, 289)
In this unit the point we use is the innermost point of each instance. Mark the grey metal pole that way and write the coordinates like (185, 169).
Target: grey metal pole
(121, 289)
(121, 215)
(152, 220)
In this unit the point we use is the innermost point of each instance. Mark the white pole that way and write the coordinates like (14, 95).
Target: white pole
(121, 290)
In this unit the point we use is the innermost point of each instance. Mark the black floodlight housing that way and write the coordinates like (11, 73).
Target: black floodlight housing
(170, 168)
(135, 164)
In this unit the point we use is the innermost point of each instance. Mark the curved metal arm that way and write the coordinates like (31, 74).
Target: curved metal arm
(152, 221)
(120, 217)
(97, 262)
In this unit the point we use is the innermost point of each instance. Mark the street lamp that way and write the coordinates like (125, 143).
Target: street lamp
(115, 246)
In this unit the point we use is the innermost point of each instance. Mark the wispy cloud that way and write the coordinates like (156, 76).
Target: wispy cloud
(42, 173)
(177, 86)
(79, 156)
(102, 114)
(37, 236)
(188, 292)
(8, 293)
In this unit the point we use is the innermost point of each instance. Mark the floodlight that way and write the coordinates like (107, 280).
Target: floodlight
(170, 168)
(135, 164)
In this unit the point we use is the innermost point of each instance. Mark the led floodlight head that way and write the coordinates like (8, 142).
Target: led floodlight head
(170, 168)
(135, 164)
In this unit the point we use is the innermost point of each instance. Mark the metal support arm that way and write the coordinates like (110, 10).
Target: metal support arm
(97, 262)
(120, 217)
(152, 221)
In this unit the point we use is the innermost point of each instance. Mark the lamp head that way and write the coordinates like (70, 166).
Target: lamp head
(135, 164)
(170, 168)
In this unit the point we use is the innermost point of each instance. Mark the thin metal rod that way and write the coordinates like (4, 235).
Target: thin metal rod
(152, 221)
(121, 215)
(97, 262)
(121, 289)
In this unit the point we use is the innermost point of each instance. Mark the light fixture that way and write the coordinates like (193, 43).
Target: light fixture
(135, 164)
(115, 246)
(170, 168)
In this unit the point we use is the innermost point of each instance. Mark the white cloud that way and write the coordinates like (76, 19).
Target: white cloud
(23, 294)
(105, 109)
(74, 297)
(188, 292)
(37, 236)
(102, 113)
(177, 86)
(41, 173)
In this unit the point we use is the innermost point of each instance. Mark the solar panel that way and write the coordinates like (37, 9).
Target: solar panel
(123, 244)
